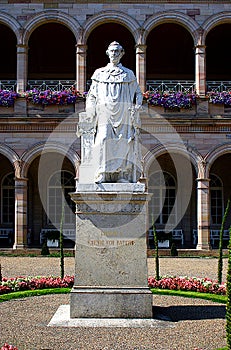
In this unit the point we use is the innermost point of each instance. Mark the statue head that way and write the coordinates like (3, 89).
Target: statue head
(115, 49)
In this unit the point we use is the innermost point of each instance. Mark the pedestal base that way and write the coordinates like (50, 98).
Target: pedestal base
(111, 252)
(111, 303)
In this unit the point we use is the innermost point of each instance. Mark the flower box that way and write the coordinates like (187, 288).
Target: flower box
(52, 243)
(6, 110)
(216, 109)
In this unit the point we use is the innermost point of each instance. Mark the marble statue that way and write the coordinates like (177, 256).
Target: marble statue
(112, 110)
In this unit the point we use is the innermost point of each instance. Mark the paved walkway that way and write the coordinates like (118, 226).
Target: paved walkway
(180, 323)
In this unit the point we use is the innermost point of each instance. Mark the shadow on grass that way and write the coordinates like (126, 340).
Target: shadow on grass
(189, 312)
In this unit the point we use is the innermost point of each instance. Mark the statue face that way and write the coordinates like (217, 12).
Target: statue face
(114, 54)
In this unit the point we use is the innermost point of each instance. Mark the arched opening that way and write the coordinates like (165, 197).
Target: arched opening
(220, 190)
(52, 53)
(8, 58)
(98, 42)
(218, 53)
(46, 199)
(168, 208)
(8, 198)
(163, 189)
(7, 203)
(216, 200)
(170, 53)
(60, 185)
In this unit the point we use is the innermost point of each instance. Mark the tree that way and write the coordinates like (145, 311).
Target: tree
(228, 305)
(156, 250)
(220, 260)
(61, 245)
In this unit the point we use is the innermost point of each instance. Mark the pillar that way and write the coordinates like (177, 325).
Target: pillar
(203, 214)
(22, 59)
(81, 53)
(141, 66)
(20, 213)
(200, 70)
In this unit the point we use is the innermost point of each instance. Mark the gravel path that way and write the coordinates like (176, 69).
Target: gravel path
(182, 323)
(45, 266)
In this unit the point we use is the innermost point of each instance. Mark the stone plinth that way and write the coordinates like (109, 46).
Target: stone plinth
(111, 261)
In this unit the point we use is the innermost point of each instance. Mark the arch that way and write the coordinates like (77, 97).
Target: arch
(213, 21)
(9, 153)
(13, 24)
(187, 151)
(171, 17)
(215, 154)
(47, 147)
(50, 16)
(111, 16)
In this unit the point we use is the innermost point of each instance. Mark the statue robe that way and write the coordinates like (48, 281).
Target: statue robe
(110, 103)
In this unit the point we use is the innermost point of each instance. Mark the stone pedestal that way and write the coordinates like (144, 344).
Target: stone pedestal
(111, 261)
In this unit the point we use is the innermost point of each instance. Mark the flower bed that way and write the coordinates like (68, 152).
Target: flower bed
(202, 285)
(32, 283)
(8, 347)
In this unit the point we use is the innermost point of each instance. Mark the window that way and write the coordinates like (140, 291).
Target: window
(60, 184)
(163, 187)
(216, 199)
(8, 199)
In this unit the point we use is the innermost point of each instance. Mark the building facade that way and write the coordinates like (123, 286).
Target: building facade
(177, 49)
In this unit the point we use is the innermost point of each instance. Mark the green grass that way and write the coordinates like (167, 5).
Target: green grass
(32, 293)
(187, 294)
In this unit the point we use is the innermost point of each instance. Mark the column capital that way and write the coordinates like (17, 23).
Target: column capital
(81, 49)
(200, 49)
(18, 165)
(201, 179)
(22, 48)
(21, 179)
(140, 48)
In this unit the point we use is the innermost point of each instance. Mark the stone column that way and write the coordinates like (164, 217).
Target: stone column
(22, 59)
(20, 213)
(203, 214)
(81, 52)
(141, 65)
(200, 70)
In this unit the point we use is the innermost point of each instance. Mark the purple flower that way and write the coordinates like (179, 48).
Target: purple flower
(50, 97)
(223, 97)
(171, 100)
(7, 98)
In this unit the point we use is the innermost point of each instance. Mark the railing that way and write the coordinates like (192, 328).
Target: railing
(8, 85)
(186, 86)
(53, 85)
(218, 86)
